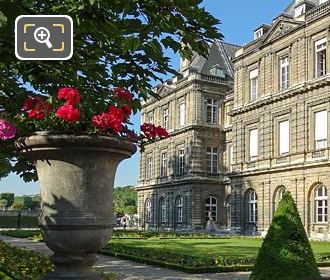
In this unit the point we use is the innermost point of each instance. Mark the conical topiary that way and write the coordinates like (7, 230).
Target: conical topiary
(286, 253)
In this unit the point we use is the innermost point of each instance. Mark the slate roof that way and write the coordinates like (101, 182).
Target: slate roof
(290, 9)
(220, 55)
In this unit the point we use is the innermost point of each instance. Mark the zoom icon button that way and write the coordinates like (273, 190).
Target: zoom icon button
(43, 37)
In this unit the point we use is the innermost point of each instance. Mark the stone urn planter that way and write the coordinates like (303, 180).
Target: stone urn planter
(76, 176)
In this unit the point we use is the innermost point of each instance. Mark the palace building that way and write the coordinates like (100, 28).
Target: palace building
(245, 124)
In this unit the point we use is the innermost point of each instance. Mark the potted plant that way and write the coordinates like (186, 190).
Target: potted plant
(77, 134)
(76, 155)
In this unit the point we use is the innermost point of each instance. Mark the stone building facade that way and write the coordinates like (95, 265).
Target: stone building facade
(269, 131)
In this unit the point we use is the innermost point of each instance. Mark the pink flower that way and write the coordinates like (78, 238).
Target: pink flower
(68, 113)
(70, 95)
(7, 130)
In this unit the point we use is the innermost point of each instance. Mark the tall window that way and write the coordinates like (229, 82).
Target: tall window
(212, 159)
(253, 144)
(321, 204)
(252, 206)
(179, 209)
(321, 129)
(254, 84)
(165, 118)
(284, 73)
(149, 167)
(162, 206)
(163, 167)
(320, 57)
(182, 113)
(211, 111)
(284, 138)
(148, 210)
(181, 161)
(150, 117)
(231, 158)
(210, 208)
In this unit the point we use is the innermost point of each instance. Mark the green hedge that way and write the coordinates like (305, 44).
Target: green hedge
(23, 233)
(11, 222)
(20, 264)
(187, 263)
(131, 234)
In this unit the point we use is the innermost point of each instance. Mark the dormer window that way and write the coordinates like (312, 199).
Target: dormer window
(258, 33)
(300, 10)
(217, 71)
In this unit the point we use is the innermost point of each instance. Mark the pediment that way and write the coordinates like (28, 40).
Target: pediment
(280, 28)
(163, 90)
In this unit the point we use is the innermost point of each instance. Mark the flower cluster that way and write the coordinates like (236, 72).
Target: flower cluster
(112, 121)
(150, 131)
(68, 111)
(36, 107)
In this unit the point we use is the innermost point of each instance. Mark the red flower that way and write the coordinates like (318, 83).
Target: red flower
(116, 112)
(123, 94)
(29, 103)
(127, 110)
(150, 131)
(36, 107)
(70, 95)
(35, 114)
(106, 121)
(131, 135)
(68, 113)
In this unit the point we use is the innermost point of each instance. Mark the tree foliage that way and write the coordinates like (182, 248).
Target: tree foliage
(286, 253)
(9, 197)
(125, 200)
(25, 202)
(116, 43)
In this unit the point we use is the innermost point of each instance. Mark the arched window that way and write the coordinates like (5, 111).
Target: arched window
(252, 206)
(162, 206)
(321, 204)
(179, 209)
(210, 208)
(228, 206)
(148, 211)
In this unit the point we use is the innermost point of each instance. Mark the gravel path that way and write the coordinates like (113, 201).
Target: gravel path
(130, 270)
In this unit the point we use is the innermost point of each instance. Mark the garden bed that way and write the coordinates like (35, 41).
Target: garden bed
(192, 255)
(20, 264)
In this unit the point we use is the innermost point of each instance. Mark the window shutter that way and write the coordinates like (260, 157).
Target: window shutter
(321, 125)
(253, 143)
(284, 137)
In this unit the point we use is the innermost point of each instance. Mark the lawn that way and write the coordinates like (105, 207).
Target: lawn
(233, 247)
(11, 222)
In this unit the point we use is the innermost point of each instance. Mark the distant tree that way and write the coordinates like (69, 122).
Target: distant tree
(3, 203)
(130, 209)
(286, 253)
(27, 202)
(9, 197)
(18, 205)
(125, 197)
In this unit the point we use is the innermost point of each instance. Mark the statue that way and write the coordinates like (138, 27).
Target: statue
(210, 225)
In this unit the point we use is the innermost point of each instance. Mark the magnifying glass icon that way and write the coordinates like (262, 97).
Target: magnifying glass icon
(41, 35)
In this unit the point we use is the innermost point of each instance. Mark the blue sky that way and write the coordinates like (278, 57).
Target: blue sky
(239, 18)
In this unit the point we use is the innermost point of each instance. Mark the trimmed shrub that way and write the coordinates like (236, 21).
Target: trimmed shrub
(286, 253)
